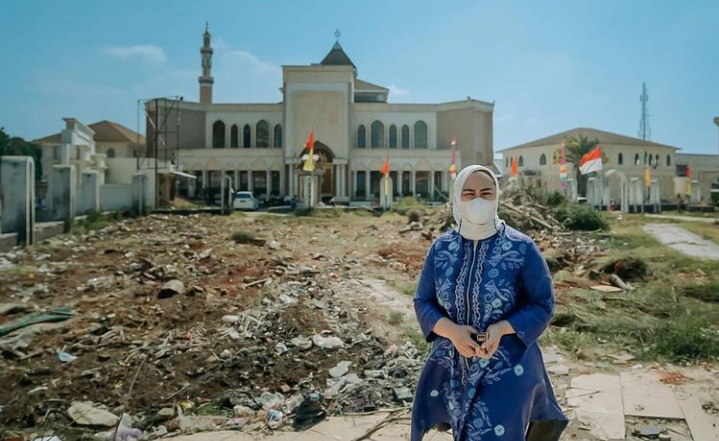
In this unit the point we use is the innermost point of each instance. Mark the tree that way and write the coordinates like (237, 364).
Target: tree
(577, 147)
(17, 146)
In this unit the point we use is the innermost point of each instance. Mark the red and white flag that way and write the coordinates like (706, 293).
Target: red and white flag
(591, 162)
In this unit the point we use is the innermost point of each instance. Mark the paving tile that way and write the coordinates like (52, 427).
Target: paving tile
(644, 395)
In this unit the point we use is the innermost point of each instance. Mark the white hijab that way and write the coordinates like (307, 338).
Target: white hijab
(465, 228)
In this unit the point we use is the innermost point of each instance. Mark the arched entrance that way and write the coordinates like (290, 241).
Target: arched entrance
(324, 170)
(617, 189)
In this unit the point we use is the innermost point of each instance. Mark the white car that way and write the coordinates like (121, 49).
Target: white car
(245, 200)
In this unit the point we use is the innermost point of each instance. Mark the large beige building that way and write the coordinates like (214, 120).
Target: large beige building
(260, 146)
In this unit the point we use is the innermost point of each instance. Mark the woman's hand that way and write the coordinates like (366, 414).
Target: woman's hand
(461, 338)
(495, 332)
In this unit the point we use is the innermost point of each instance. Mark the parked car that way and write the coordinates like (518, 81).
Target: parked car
(245, 200)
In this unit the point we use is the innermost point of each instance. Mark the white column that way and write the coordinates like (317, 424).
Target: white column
(413, 182)
(338, 180)
(399, 182)
(431, 185)
(343, 181)
(282, 190)
(237, 179)
(291, 177)
(204, 179)
(353, 184)
(366, 185)
(268, 176)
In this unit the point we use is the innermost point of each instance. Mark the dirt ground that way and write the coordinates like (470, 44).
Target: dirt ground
(136, 350)
(244, 319)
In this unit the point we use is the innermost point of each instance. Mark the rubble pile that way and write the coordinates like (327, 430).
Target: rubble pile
(563, 248)
(145, 323)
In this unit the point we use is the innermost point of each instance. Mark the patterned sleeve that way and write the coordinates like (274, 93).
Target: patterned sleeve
(425, 299)
(536, 302)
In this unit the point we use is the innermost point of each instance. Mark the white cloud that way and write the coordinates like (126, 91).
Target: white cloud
(396, 91)
(252, 60)
(149, 52)
(241, 76)
(503, 118)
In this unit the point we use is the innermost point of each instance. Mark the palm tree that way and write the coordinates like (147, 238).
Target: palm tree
(577, 147)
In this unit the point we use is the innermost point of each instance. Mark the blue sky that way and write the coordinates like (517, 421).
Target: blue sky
(549, 65)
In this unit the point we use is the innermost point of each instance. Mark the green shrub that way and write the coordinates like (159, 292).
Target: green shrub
(556, 199)
(580, 217)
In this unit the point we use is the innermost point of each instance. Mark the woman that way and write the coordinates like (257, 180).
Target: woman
(484, 279)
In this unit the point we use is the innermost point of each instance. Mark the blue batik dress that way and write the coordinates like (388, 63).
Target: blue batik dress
(478, 283)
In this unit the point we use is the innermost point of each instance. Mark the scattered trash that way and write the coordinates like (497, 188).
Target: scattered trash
(310, 412)
(342, 368)
(65, 357)
(53, 315)
(274, 418)
(271, 401)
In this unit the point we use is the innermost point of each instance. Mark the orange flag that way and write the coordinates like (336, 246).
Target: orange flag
(515, 165)
(309, 165)
(385, 167)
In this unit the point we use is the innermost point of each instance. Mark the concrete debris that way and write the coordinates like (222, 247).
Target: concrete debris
(327, 342)
(170, 289)
(650, 432)
(87, 414)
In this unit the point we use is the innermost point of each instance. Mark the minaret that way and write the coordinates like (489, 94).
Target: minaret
(206, 80)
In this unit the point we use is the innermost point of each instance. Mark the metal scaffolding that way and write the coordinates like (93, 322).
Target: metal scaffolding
(162, 141)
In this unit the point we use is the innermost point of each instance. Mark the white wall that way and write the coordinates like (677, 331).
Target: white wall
(115, 197)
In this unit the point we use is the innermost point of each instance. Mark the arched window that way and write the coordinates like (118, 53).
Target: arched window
(393, 136)
(234, 136)
(669, 160)
(520, 163)
(651, 159)
(247, 136)
(543, 159)
(637, 161)
(656, 159)
(218, 135)
(620, 159)
(420, 135)
(377, 136)
(405, 136)
(262, 134)
(278, 136)
(111, 152)
(361, 137)
(506, 162)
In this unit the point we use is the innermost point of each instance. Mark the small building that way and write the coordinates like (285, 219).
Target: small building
(538, 161)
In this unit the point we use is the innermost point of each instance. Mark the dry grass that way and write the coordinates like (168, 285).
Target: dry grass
(672, 316)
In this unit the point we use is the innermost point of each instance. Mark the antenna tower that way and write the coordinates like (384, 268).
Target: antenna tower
(645, 132)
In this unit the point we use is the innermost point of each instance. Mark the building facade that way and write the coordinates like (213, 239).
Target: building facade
(260, 146)
(625, 162)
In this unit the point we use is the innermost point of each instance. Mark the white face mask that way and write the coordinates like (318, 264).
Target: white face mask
(478, 211)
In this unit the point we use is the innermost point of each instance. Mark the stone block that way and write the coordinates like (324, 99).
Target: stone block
(17, 190)
(63, 188)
